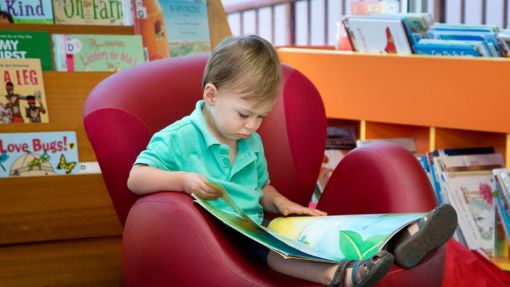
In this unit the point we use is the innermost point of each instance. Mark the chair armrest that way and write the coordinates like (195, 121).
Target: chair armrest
(170, 241)
(378, 178)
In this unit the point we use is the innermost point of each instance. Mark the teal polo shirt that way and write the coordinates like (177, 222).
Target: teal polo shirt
(187, 145)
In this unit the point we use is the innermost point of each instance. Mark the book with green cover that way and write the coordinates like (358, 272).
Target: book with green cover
(316, 238)
(97, 52)
(25, 45)
(29, 11)
(93, 12)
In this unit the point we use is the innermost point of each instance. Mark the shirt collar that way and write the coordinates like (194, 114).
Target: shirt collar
(197, 118)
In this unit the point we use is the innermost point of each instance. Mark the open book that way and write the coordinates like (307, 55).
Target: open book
(316, 238)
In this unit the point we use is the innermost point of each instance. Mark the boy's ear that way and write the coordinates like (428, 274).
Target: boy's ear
(210, 93)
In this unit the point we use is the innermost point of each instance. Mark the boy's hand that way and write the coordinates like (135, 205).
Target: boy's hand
(287, 207)
(196, 184)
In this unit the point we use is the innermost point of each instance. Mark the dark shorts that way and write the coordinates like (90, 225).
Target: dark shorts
(251, 248)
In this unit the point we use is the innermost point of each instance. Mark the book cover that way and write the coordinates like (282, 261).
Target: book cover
(24, 45)
(465, 27)
(378, 35)
(38, 153)
(187, 25)
(97, 52)
(341, 137)
(457, 48)
(29, 11)
(93, 12)
(488, 39)
(316, 238)
(172, 28)
(24, 100)
(471, 193)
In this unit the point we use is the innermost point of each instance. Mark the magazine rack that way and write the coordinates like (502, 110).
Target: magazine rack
(169, 240)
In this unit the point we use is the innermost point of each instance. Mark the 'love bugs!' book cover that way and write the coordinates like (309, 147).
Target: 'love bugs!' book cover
(38, 154)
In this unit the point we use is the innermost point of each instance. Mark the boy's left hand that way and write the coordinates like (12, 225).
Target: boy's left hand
(288, 207)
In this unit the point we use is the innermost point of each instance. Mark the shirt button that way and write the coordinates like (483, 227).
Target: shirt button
(226, 162)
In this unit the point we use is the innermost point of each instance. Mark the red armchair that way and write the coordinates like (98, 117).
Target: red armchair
(170, 241)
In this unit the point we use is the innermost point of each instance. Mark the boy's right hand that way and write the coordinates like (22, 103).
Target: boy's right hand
(196, 184)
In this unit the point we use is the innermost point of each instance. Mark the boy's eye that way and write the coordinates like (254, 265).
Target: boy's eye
(244, 116)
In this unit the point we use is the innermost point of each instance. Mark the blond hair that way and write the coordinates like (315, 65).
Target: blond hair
(247, 65)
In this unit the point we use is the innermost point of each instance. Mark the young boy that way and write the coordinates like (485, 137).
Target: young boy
(218, 142)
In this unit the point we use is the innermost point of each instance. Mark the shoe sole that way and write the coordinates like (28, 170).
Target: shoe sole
(377, 272)
(437, 229)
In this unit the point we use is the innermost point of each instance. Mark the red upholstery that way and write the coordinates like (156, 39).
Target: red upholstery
(168, 240)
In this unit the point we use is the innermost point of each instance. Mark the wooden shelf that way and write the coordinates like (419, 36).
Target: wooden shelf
(70, 29)
(34, 209)
(82, 262)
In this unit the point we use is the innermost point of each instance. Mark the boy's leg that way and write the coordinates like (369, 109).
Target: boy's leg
(366, 272)
(433, 230)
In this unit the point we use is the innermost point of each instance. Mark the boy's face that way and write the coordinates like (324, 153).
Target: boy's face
(233, 117)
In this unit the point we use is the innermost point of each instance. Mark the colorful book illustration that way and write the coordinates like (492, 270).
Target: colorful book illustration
(378, 35)
(24, 100)
(97, 52)
(25, 45)
(38, 154)
(29, 11)
(471, 194)
(172, 28)
(93, 12)
(323, 239)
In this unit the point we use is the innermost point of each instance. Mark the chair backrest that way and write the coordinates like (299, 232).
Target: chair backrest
(123, 111)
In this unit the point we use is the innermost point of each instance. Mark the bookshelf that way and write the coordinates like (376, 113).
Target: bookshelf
(63, 230)
(440, 101)
(55, 229)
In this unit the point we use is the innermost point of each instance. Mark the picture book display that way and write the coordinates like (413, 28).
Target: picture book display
(172, 28)
(29, 11)
(38, 153)
(97, 52)
(93, 12)
(24, 45)
(322, 238)
(24, 99)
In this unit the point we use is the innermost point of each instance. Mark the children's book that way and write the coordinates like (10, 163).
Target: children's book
(38, 154)
(406, 142)
(93, 12)
(171, 28)
(471, 194)
(488, 39)
(341, 137)
(24, 45)
(97, 52)
(378, 35)
(24, 100)
(29, 11)
(504, 43)
(323, 238)
(501, 186)
(451, 48)
(464, 27)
